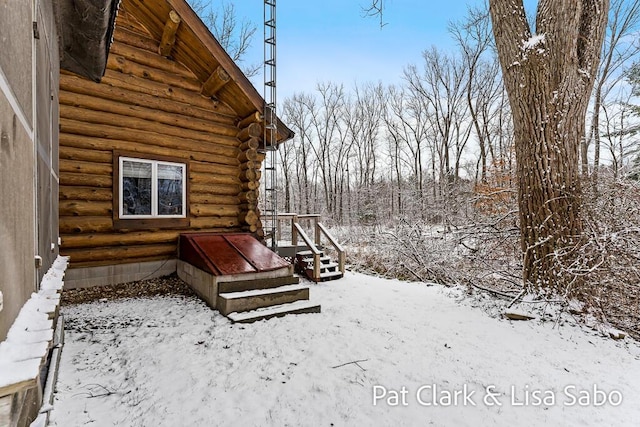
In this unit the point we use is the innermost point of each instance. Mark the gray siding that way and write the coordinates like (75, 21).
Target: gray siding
(28, 152)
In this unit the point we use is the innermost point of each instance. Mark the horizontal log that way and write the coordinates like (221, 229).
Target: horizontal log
(121, 253)
(254, 130)
(199, 210)
(169, 34)
(221, 189)
(84, 135)
(87, 142)
(213, 199)
(249, 218)
(250, 144)
(253, 228)
(139, 91)
(85, 193)
(249, 196)
(250, 175)
(214, 168)
(107, 125)
(123, 65)
(255, 117)
(85, 208)
(248, 207)
(248, 155)
(215, 82)
(85, 224)
(197, 128)
(213, 179)
(149, 59)
(214, 222)
(82, 179)
(85, 155)
(250, 165)
(85, 167)
(133, 36)
(119, 239)
(250, 185)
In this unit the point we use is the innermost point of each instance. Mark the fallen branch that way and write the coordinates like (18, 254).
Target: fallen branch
(355, 362)
(516, 299)
(492, 291)
(90, 394)
(416, 275)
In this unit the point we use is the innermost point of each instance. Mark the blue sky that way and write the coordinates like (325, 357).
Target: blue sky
(330, 40)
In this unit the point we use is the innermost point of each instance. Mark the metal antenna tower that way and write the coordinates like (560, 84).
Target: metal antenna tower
(270, 198)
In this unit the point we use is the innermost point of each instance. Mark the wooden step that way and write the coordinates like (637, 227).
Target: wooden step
(258, 298)
(324, 276)
(307, 254)
(323, 259)
(247, 285)
(297, 307)
(324, 267)
(330, 275)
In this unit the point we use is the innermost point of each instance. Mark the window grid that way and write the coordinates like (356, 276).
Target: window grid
(154, 188)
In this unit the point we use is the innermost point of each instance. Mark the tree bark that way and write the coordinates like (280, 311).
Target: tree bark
(549, 77)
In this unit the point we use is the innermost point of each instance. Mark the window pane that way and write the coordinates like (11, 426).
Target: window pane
(136, 188)
(170, 189)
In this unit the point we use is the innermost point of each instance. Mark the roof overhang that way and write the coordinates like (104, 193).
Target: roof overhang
(85, 29)
(209, 43)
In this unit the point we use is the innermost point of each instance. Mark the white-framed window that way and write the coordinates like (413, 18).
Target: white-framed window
(151, 189)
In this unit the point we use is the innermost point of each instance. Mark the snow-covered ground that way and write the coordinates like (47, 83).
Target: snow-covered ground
(381, 353)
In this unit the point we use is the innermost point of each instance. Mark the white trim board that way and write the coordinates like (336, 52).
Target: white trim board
(15, 105)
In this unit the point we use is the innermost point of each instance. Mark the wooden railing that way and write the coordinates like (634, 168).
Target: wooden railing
(314, 250)
(337, 246)
(319, 230)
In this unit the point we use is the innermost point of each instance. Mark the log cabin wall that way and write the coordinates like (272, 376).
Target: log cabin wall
(151, 106)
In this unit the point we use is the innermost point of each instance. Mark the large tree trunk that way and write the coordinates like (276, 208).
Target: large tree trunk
(549, 77)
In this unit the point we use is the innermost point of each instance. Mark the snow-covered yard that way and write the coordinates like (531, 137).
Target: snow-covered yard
(381, 353)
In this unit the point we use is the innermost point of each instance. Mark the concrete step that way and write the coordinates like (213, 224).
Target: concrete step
(230, 302)
(247, 285)
(297, 307)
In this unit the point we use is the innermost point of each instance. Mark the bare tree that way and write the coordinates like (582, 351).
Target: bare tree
(234, 36)
(297, 113)
(375, 9)
(619, 137)
(549, 73)
(326, 125)
(441, 84)
(406, 122)
(483, 85)
(363, 118)
(624, 17)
